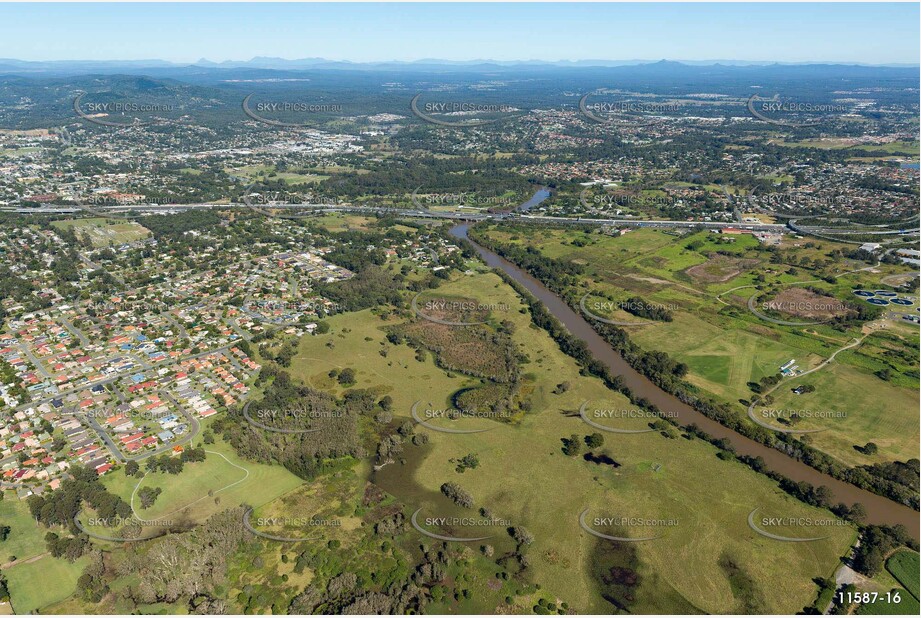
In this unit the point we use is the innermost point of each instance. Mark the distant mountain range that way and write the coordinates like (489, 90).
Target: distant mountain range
(69, 67)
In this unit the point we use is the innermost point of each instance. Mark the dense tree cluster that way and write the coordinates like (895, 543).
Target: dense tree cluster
(58, 508)
(457, 494)
(317, 427)
(372, 286)
(876, 543)
(184, 566)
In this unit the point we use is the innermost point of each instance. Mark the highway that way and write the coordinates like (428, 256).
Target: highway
(416, 213)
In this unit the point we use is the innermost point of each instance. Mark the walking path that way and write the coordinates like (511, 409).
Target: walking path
(154, 521)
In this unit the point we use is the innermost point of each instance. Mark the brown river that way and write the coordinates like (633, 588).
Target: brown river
(879, 510)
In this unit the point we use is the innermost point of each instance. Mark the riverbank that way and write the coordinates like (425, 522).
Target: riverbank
(880, 510)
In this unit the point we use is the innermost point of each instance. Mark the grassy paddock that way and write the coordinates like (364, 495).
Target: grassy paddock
(904, 566)
(258, 484)
(523, 476)
(46, 581)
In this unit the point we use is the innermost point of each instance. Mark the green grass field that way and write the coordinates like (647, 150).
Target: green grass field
(524, 476)
(26, 539)
(398, 375)
(720, 361)
(338, 222)
(874, 412)
(841, 144)
(41, 583)
(268, 172)
(47, 580)
(904, 566)
(229, 486)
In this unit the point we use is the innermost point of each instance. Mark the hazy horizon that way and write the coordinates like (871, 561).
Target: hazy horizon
(839, 33)
(463, 61)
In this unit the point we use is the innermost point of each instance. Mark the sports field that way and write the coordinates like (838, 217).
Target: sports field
(105, 232)
(904, 566)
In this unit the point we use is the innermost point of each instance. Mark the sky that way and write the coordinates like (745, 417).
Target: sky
(872, 33)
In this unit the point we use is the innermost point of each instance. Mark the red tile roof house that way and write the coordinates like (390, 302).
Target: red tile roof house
(133, 437)
(92, 448)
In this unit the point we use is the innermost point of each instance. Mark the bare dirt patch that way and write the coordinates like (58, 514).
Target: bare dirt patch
(720, 268)
(805, 303)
